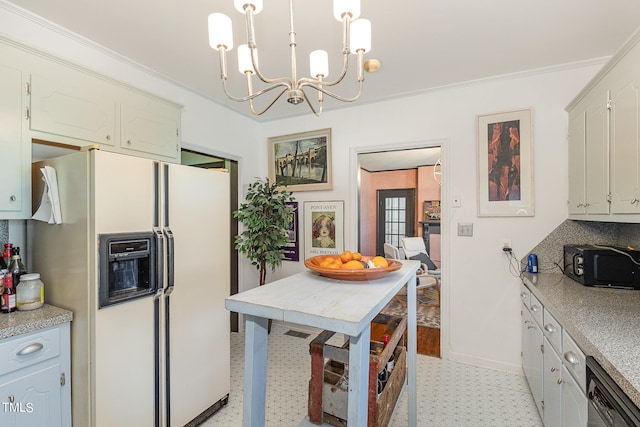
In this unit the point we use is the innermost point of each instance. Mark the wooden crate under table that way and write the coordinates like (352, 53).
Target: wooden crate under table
(328, 390)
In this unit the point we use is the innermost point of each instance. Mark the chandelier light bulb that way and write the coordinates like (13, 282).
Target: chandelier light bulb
(220, 31)
(360, 36)
(256, 4)
(319, 63)
(340, 7)
(244, 59)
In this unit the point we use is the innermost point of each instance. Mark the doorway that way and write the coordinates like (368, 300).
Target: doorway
(395, 186)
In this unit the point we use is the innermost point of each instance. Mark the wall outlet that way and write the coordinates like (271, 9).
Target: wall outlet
(505, 245)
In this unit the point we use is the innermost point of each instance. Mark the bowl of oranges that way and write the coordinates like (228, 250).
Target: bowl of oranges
(351, 266)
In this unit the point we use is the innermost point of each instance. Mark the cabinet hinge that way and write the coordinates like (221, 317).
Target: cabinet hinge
(63, 380)
(542, 404)
(541, 348)
(27, 88)
(177, 132)
(27, 113)
(609, 197)
(609, 103)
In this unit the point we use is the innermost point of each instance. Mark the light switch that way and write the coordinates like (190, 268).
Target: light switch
(465, 229)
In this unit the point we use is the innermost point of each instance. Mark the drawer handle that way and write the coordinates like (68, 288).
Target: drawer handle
(549, 327)
(31, 348)
(570, 357)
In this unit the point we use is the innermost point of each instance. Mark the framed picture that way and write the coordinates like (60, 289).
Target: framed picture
(323, 228)
(505, 164)
(301, 161)
(291, 249)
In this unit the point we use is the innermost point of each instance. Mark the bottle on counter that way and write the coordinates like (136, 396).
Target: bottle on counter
(6, 254)
(8, 296)
(17, 268)
(30, 292)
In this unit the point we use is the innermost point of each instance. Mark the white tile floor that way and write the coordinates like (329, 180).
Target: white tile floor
(450, 394)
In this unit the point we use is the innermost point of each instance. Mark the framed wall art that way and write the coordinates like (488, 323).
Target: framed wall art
(323, 228)
(301, 161)
(505, 164)
(291, 249)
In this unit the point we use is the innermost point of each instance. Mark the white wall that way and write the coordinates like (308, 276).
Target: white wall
(481, 312)
(481, 307)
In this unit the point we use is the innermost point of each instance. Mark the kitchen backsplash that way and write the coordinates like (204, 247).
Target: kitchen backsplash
(550, 249)
(4, 230)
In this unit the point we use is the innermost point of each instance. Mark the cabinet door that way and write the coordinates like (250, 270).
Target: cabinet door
(532, 357)
(150, 126)
(552, 386)
(574, 402)
(597, 151)
(577, 160)
(72, 104)
(11, 146)
(625, 135)
(32, 400)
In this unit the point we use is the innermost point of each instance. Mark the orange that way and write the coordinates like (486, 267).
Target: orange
(338, 261)
(379, 261)
(333, 266)
(353, 265)
(346, 256)
(356, 256)
(325, 262)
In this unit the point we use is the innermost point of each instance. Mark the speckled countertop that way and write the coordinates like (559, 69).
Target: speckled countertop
(20, 322)
(605, 323)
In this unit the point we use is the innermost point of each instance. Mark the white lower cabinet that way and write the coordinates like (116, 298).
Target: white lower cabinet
(554, 366)
(35, 387)
(574, 402)
(552, 386)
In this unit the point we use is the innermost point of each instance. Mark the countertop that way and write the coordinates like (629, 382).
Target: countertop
(604, 322)
(21, 322)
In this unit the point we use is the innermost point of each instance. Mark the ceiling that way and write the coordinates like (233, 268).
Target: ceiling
(422, 44)
(399, 159)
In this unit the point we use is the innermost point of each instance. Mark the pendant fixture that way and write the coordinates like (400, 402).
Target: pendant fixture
(356, 39)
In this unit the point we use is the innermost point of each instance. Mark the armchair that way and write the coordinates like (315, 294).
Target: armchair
(415, 249)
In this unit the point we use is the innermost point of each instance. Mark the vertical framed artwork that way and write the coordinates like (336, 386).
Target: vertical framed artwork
(301, 161)
(323, 228)
(505, 164)
(291, 249)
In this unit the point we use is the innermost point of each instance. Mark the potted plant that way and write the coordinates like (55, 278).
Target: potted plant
(266, 216)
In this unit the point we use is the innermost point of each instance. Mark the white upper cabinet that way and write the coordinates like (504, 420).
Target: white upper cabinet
(604, 142)
(74, 105)
(15, 192)
(625, 137)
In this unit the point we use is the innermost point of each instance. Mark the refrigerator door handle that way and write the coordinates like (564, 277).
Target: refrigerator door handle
(159, 262)
(170, 261)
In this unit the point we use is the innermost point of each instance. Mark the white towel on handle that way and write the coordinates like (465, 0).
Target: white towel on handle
(49, 209)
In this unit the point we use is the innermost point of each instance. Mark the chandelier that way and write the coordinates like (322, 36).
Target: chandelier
(356, 39)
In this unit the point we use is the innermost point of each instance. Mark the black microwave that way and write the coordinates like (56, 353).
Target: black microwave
(603, 266)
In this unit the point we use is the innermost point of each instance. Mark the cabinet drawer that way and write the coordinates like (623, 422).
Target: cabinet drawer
(536, 310)
(574, 361)
(553, 331)
(525, 295)
(28, 349)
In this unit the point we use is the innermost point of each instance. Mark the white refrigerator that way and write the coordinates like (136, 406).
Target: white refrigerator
(161, 359)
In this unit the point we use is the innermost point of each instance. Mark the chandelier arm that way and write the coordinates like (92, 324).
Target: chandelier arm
(306, 98)
(259, 113)
(251, 96)
(333, 95)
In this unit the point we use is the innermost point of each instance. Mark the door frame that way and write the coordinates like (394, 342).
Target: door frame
(352, 208)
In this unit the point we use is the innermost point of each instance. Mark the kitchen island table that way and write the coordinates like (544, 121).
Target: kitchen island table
(346, 307)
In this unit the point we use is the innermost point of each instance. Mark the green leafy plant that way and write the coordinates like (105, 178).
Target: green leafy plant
(266, 216)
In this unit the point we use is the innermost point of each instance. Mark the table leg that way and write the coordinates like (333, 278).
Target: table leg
(255, 371)
(412, 349)
(358, 397)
